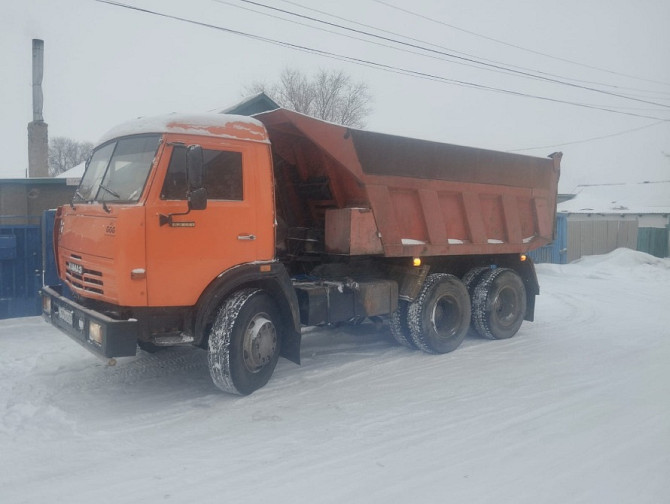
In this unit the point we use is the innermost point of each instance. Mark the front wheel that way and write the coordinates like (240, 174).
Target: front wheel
(244, 342)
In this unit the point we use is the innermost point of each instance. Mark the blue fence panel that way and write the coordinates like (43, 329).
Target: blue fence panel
(653, 241)
(50, 276)
(20, 270)
(557, 251)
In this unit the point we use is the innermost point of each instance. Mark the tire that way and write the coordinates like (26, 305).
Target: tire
(499, 304)
(244, 342)
(439, 318)
(398, 325)
(472, 277)
(470, 280)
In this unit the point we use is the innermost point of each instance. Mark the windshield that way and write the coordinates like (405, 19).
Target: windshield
(118, 170)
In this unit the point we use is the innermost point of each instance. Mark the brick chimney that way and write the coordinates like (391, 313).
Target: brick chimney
(38, 137)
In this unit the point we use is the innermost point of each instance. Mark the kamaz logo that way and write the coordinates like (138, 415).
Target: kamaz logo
(77, 269)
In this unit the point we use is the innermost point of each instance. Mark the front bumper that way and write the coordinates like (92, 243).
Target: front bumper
(98, 333)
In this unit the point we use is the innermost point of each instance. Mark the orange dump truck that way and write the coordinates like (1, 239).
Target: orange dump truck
(230, 233)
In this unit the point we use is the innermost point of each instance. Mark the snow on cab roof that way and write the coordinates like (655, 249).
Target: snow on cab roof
(219, 125)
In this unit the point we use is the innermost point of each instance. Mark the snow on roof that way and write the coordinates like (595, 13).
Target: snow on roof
(74, 172)
(631, 198)
(259, 101)
(220, 125)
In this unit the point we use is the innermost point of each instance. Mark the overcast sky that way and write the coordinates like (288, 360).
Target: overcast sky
(105, 64)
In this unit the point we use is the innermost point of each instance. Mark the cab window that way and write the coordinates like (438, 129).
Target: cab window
(222, 175)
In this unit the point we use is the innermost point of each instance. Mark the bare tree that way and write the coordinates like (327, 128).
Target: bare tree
(66, 153)
(328, 94)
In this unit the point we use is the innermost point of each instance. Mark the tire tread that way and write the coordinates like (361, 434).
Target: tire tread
(480, 303)
(218, 356)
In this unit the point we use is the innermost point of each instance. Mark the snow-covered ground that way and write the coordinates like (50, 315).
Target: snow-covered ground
(574, 409)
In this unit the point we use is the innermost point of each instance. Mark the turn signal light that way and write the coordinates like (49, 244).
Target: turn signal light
(523, 257)
(416, 261)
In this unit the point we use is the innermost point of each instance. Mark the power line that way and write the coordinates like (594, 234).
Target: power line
(372, 64)
(379, 44)
(590, 139)
(352, 37)
(558, 58)
(296, 4)
(471, 60)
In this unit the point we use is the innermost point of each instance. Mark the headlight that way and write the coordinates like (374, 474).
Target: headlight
(95, 332)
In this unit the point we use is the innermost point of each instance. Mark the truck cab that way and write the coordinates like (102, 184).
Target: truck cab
(166, 207)
(130, 236)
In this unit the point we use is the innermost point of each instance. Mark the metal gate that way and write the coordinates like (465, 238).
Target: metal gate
(20, 269)
(653, 241)
(556, 251)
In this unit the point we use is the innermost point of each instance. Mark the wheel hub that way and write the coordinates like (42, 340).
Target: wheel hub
(505, 306)
(260, 343)
(444, 318)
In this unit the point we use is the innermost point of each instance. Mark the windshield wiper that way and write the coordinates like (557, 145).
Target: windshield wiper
(77, 194)
(116, 195)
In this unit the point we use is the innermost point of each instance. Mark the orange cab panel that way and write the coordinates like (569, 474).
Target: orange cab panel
(99, 249)
(188, 250)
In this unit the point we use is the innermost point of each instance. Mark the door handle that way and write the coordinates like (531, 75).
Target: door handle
(248, 237)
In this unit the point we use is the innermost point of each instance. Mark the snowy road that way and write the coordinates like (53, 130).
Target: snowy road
(574, 409)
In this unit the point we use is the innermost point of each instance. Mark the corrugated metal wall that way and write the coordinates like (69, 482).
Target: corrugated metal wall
(581, 235)
(653, 241)
(599, 236)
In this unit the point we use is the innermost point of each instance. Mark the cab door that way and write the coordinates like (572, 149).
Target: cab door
(187, 250)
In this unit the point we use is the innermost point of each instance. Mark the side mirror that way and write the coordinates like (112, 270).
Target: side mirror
(194, 167)
(197, 199)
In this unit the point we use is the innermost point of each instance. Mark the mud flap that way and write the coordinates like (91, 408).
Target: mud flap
(290, 347)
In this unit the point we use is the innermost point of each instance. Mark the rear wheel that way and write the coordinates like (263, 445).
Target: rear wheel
(472, 277)
(244, 342)
(470, 280)
(499, 304)
(440, 316)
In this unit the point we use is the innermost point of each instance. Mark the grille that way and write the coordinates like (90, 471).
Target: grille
(85, 279)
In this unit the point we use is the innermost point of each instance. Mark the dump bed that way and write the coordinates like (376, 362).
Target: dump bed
(395, 196)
